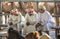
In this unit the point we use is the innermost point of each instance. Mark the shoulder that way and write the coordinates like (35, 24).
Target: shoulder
(35, 13)
(48, 13)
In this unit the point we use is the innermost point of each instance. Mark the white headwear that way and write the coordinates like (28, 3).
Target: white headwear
(42, 7)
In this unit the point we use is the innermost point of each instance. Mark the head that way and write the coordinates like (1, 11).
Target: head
(13, 34)
(42, 9)
(32, 35)
(14, 11)
(30, 10)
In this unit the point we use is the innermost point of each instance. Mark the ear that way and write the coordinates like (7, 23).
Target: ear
(36, 34)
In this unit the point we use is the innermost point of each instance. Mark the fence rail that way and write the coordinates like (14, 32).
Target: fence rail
(29, 0)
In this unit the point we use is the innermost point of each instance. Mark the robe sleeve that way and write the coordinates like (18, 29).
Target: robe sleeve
(37, 18)
(25, 27)
(10, 19)
(26, 18)
(22, 21)
(51, 21)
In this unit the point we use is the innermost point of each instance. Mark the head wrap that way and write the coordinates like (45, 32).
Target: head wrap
(42, 7)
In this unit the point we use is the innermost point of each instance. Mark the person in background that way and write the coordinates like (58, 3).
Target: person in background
(30, 20)
(45, 20)
(16, 20)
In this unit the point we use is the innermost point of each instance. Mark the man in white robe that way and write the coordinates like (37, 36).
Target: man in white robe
(30, 21)
(16, 20)
(44, 20)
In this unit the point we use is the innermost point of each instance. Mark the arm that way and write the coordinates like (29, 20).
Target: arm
(10, 21)
(27, 20)
(51, 21)
(37, 20)
(22, 21)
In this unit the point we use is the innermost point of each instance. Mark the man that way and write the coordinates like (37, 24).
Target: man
(30, 21)
(44, 20)
(16, 20)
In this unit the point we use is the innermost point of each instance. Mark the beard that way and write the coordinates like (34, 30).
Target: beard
(30, 14)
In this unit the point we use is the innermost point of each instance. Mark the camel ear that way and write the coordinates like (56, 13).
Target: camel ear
(36, 34)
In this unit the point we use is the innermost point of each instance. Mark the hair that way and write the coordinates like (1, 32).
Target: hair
(32, 35)
(13, 34)
(30, 6)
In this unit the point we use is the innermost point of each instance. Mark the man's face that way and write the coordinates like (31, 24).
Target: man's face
(30, 11)
(41, 11)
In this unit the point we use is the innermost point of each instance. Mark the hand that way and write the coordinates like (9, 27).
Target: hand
(42, 22)
(27, 23)
(38, 24)
(10, 23)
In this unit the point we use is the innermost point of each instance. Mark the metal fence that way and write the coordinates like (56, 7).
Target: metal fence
(29, 0)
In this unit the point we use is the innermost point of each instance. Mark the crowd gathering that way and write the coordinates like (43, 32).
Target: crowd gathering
(34, 25)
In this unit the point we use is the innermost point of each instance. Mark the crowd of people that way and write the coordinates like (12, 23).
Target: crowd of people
(33, 21)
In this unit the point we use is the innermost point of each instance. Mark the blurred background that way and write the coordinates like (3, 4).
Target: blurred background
(6, 7)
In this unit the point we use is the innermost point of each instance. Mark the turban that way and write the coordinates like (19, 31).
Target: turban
(42, 7)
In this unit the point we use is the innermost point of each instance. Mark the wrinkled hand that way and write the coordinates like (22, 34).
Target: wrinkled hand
(27, 23)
